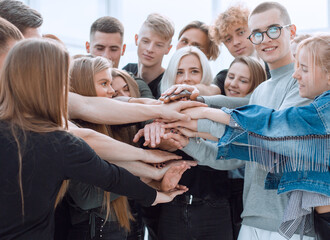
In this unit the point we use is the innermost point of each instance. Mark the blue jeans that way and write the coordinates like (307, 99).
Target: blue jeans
(110, 231)
(202, 219)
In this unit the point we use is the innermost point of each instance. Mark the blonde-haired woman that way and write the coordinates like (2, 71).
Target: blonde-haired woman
(37, 154)
(174, 75)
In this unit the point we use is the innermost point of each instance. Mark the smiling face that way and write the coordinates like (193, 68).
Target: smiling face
(120, 86)
(238, 83)
(189, 70)
(275, 52)
(312, 80)
(236, 41)
(194, 37)
(151, 47)
(108, 45)
(102, 83)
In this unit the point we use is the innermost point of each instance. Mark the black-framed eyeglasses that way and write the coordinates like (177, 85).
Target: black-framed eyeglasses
(272, 32)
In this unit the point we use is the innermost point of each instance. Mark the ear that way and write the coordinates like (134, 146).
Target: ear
(136, 39)
(169, 49)
(123, 49)
(293, 30)
(88, 47)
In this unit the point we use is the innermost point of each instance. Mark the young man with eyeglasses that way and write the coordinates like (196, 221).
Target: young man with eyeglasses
(271, 33)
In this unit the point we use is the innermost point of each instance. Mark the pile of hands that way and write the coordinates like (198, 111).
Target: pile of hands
(172, 135)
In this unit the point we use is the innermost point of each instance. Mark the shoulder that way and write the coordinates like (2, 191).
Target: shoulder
(131, 67)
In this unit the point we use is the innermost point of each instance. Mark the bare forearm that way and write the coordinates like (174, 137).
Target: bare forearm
(216, 115)
(108, 148)
(138, 168)
(109, 111)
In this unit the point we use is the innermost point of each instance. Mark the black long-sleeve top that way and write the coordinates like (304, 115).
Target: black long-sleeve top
(48, 159)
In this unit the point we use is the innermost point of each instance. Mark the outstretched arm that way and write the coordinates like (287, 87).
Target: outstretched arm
(110, 149)
(111, 112)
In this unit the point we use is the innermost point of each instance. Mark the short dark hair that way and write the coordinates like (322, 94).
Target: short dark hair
(19, 14)
(265, 6)
(8, 32)
(107, 25)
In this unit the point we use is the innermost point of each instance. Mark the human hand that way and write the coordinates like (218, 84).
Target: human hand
(176, 139)
(164, 167)
(148, 101)
(172, 111)
(164, 197)
(172, 177)
(192, 125)
(152, 132)
(178, 88)
(158, 156)
(184, 95)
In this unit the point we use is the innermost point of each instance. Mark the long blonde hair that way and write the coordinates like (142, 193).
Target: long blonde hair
(318, 48)
(34, 92)
(82, 73)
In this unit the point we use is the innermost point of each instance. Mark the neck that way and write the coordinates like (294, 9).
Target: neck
(148, 74)
(281, 62)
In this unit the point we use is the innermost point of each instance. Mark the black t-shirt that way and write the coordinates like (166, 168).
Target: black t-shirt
(48, 159)
(204, 182)
(154, 85)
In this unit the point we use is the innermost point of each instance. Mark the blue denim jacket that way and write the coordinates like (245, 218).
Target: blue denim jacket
(281, 142)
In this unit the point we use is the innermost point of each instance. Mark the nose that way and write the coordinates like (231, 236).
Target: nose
(110, 91)
(150, 47)
(236, 41)
(106, 54)
(233, 83)
(186, 78)
(296, 74)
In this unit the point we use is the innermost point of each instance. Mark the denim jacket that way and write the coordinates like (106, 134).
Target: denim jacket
(292, 144)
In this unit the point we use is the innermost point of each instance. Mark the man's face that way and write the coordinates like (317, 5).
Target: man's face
(108, 45)
(32, 33)
(275, 52)
(236, 41)
(194, 37)
(151, 47)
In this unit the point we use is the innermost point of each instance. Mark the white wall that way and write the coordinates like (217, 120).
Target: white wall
(70, 20)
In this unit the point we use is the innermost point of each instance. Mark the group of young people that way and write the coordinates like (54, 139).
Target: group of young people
(88, 150)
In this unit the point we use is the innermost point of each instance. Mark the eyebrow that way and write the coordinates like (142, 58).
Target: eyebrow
(239, 29)
(272, 25)
(103, 79)
(99, 45)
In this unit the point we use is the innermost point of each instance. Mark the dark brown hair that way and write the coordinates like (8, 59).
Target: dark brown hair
(213, 49)
(19, 14)
(107, 25)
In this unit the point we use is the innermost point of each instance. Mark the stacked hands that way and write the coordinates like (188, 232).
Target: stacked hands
(171, 135)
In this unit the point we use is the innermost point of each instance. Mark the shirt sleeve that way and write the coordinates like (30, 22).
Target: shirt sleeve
(205, 152)
(81, 163)
(219, 101)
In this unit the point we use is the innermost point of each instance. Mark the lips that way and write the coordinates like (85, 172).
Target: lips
(240, 51)
(269, 49)
(148, 57)
(232, 92)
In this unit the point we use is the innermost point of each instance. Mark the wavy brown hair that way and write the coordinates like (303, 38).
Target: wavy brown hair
(82, 74)
(257, 72)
